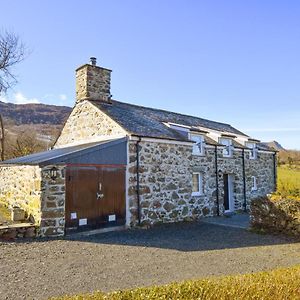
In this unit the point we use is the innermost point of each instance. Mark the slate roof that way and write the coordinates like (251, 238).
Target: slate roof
(149, 122)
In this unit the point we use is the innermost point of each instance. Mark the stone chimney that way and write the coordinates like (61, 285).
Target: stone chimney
(92, 82)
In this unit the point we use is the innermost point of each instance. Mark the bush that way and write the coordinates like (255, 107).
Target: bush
(277, 284)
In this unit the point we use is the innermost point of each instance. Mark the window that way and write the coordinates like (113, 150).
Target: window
(227, 151)
(254, 184)
(253, 150)
(198, 147)
(198, 189)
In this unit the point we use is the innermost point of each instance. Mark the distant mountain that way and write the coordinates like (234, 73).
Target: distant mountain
(20, 114)
(38, 125)
(275, 145)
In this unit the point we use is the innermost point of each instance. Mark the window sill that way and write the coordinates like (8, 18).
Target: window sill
(198, 154)
(197, 194)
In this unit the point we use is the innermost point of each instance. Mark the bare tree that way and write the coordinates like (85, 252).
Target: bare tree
(12, 51)
(1, 139)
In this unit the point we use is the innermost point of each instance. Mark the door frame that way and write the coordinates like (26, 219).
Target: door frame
(230, 190)
(98, 167)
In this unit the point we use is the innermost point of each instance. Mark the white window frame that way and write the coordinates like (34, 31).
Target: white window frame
(198, 147)
(228, 148)
(200, 191)
(254, 184)
(253, 150)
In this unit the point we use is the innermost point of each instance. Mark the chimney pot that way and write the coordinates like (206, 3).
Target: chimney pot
(93, 61)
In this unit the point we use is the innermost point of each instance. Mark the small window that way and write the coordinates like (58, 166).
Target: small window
(198, 147)
(198, 189)
(253, 150)
(254, 184)
(227, 151)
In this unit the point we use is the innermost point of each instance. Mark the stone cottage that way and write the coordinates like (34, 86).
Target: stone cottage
(116, 163)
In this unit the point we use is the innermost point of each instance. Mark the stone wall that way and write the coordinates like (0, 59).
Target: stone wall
(21, 186)
(53, 202)
(87, 122)
(278, 216)
(263, 169)
(166, 181)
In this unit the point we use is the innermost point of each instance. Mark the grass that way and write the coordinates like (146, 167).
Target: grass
(277, 284)
(288, 184)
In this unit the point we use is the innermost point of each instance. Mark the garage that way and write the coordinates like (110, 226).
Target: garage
(75, 188)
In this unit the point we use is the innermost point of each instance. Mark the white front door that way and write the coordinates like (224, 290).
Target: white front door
(228, 193)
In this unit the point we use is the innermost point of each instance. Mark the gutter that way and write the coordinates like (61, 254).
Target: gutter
(138, 180)
(217, 180)
(244, 180)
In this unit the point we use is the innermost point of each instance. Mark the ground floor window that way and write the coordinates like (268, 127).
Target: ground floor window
(254, 183)
(198, 188)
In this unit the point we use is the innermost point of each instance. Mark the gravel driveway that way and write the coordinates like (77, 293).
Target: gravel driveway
(118, 260)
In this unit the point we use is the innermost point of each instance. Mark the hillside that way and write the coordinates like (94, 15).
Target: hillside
(20, 114)
(31, 127)
(275, 145)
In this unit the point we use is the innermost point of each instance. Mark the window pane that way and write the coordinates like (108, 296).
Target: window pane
(195, 182)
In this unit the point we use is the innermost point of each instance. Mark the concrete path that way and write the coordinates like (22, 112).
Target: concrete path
(236, 220)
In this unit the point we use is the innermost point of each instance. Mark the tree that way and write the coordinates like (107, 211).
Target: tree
(12, 51)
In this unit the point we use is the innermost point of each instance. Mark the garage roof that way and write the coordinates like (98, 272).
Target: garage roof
(95, 152)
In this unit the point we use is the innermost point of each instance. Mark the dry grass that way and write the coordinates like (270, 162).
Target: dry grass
(288, 184)
(278, 284)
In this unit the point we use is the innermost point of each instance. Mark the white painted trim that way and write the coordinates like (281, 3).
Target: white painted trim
(163, 141)
(230, 193)
(127, 217)
(178, 127)
(200, 184)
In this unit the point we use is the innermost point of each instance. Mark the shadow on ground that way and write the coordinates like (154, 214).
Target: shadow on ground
(196, 236)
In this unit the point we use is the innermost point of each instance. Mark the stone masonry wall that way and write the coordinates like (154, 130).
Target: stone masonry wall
(166, 181)
(21, 186)
(87, 122)
(263, 169)
(53, 202)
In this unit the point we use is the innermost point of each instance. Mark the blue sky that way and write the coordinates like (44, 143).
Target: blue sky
(231, 61)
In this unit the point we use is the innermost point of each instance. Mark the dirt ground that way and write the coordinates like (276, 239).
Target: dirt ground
(117, 260)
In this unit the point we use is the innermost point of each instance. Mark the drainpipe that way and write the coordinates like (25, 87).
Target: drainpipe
(244, 180)
(275, 171)
(138, 180)
(217, 180)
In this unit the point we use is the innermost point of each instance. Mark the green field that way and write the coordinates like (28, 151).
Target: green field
(288, 183)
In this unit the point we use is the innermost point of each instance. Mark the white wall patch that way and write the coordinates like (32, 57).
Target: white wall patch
(111, 218)
(73, 216)
(82, 222)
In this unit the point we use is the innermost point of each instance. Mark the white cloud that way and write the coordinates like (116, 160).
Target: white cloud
(19, 98)
(3, 99)
(62, 97)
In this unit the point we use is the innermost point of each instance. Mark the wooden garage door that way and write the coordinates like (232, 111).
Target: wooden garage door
(95, 197)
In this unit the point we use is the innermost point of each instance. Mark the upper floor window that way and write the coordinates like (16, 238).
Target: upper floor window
(198, 187)
(253, 150)
(227, 151)
(198, 147)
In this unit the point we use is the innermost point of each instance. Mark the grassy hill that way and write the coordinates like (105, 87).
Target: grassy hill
(31, 127)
